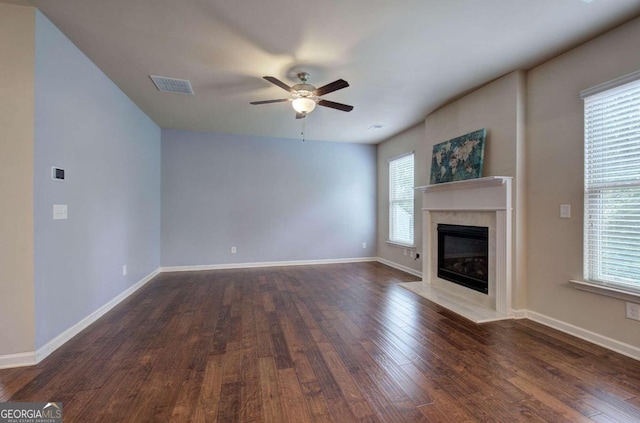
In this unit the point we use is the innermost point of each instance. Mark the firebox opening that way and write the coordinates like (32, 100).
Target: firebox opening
(463, 256)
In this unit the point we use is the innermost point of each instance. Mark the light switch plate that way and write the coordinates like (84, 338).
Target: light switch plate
(565, 211)
(59, 211)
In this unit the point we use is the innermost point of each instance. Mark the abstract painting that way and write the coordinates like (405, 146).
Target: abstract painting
(458, 159)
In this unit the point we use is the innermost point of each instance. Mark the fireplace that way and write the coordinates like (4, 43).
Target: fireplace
(463, 256)
(478, 203)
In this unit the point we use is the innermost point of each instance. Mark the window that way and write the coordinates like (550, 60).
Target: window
(612, 184)
(401, 199)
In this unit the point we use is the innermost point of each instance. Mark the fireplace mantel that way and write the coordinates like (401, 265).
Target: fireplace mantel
(490, 195)
(488, 181)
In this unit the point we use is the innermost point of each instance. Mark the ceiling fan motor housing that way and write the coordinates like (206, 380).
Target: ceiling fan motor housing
(304, 90)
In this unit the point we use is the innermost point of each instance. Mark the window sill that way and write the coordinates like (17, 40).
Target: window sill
(608, 291)
(400, 244)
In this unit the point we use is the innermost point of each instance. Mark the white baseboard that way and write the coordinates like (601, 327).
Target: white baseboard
(587, 335)
(519, 314)
(263, 264)
(65, 336)
(400, 267)
(8, 361)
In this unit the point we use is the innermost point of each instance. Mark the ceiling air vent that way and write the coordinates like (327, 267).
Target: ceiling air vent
(172, 85)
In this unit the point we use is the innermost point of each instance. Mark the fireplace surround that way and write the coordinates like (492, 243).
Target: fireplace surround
(484, 202)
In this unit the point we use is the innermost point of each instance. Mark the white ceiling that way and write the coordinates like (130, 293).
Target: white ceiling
(403, 58)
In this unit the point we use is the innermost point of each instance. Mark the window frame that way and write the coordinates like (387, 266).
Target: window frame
(593, 280)
(392, 235)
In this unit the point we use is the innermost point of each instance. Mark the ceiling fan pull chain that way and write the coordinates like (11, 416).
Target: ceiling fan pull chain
(304, 124)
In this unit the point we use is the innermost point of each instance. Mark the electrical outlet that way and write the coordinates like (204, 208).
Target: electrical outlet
(411, 253)
(364, 245)
(565, 211)
(59, 211)
(405, 251)
(633, 311)
(233, 250)
(124, 270)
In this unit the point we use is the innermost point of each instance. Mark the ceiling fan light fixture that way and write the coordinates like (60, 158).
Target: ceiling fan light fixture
(303, 105)
(305, 97)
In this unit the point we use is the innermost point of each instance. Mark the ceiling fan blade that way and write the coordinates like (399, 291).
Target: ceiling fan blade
(279, 83)
(270, 101)
(329, 88)
(301, 115)
(334, 105)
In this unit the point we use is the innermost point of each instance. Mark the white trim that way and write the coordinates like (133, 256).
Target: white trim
(401, 245)
(488, 181)
(34, 357)
(587, 335)
(290, 263)
(609, 291)
(503, 262)
(399, 156)
(519, 314)
(8, 361)
(471, 310)
(610, 84)
(491, 194)
(392, 191)
(474, 209)
(399, 267)
(263, 264)
(65, 336)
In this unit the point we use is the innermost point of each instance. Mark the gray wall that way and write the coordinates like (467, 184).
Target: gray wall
(498, 107)
(410, 140)
(17, 43)
(273, 199)
(555, 139)
(111, 153)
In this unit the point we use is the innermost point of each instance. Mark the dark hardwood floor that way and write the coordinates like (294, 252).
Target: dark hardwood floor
(330, 343)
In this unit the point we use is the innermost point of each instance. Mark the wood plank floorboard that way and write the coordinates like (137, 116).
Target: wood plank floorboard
(329, 343)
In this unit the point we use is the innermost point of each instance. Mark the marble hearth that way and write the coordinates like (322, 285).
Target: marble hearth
(482, 202)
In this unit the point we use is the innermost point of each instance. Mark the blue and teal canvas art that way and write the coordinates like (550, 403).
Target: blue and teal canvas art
(458, 159)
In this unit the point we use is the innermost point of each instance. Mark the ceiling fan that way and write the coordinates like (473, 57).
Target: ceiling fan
(306, 96)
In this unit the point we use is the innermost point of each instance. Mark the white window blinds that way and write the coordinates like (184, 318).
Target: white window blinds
(612, 187)
(401, 216)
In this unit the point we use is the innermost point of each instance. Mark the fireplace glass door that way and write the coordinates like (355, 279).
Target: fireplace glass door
(463, 256)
